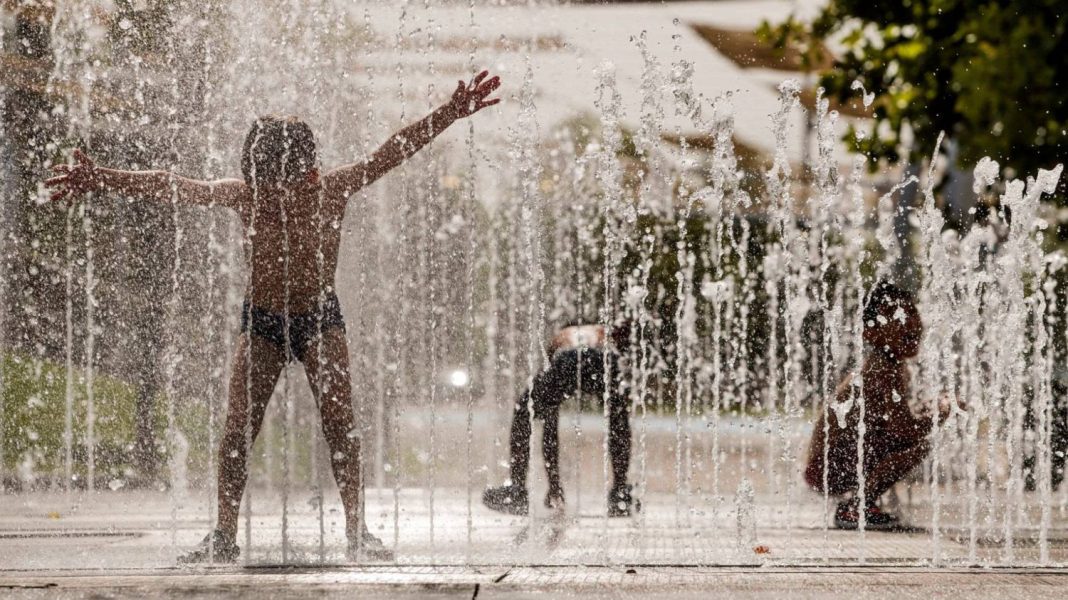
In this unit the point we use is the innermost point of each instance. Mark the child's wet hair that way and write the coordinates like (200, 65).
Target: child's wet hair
(884, 295)
(278, 151)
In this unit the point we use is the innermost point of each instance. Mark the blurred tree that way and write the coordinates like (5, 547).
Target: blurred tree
(986, 72)
(34, 289)
(160, 51)
(162, 59)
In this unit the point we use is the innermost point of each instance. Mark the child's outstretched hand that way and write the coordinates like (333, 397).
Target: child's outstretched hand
(470, 98)
(75, 179)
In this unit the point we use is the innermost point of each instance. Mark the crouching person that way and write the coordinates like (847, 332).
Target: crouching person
(895, 440)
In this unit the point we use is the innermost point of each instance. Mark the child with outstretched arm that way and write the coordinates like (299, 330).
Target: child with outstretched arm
(895, 440)
(289, 212)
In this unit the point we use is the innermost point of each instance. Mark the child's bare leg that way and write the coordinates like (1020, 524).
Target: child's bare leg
(550, 451)
(242, 424)
(330, 382)
(892, 468)
(619, 439)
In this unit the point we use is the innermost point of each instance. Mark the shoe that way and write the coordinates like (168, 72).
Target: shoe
(508, 499)
(848, 517)
(370, 549)
(621, 503)
(554, 500)
(225, 550)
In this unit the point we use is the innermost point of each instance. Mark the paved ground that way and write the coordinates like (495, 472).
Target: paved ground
(705, 535)
(138, 531)
(123, 544)
(541, 582)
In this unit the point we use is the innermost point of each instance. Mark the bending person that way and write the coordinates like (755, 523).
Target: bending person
(580, 355)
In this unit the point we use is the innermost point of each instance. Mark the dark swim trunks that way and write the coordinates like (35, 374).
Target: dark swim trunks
(304, 328)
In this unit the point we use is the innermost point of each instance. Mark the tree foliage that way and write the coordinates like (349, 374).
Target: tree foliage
(989, 73)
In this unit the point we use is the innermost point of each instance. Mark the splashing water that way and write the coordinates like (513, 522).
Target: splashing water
(744, 271)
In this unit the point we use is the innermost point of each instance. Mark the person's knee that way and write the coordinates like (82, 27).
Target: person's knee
(618, 412)
(839, 479)
(236, 417)
(541, 404)
(243, 424)
(521, 405)
(344, 455)
(546, 411)
(333, 382)
(539, 407)
(902, 462)
(235, 429)
(339, 427)
(341, 435)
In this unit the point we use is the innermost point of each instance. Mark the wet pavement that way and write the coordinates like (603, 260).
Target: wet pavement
(542, 582)
(698, 533)
(124, 544)
(743, 525)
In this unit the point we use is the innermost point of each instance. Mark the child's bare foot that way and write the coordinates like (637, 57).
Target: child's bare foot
(369, 549)
(225, 550)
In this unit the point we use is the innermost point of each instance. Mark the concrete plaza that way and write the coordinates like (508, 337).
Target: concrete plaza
(741, 526)
(124, 544)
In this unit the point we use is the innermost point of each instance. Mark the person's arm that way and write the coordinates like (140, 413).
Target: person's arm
(829, 434)
(924, 421)
(84, 176)
(466, 100)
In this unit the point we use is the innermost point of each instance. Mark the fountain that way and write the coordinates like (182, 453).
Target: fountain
(746, 283)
